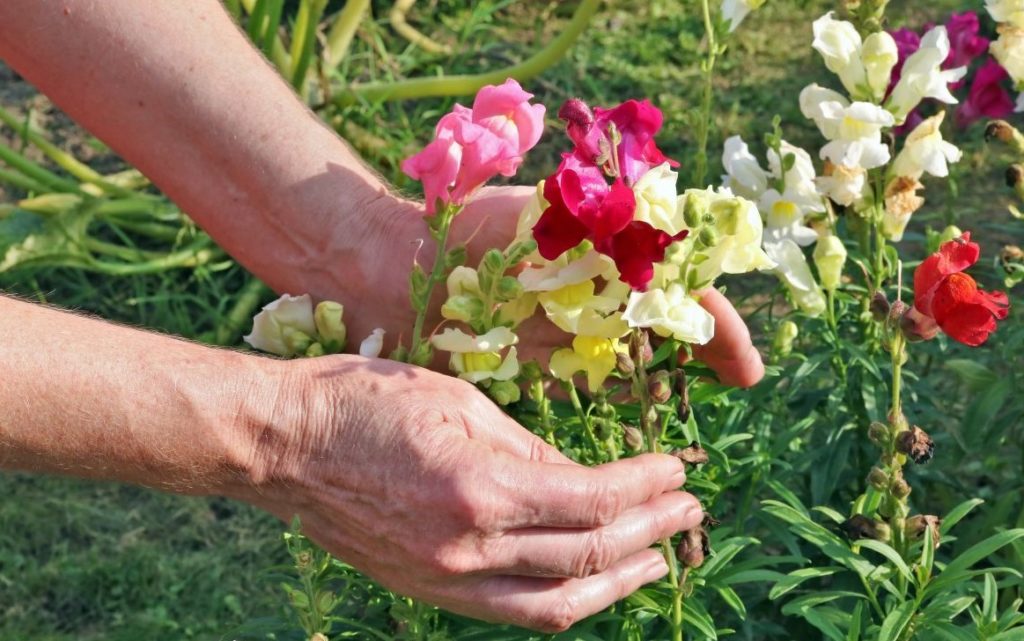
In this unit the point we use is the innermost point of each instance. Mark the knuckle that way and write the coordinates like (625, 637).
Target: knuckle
(450, 563)
(558, 616)
(476, 509)
(597, 555)
(607, 503)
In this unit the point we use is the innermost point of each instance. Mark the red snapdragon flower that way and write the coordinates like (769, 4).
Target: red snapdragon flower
(617, 143)
(947, 298)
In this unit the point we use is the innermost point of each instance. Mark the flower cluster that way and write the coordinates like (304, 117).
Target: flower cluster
(1008, 49)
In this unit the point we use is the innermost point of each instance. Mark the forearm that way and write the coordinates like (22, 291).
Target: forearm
(177, 90)
(83, 397)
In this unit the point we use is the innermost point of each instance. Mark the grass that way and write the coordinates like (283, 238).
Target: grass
(85, 561)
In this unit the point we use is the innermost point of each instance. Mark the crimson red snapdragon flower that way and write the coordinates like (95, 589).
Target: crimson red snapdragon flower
(949, 299)
(613, 143)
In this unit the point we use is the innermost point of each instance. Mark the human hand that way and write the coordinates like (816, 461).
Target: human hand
(421, 482)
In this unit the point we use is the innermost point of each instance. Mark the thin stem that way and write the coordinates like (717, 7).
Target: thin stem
(467, 84)
(303, 39)
(241, 313)
(543, 409)
(436, 276)
(700, 166)
(588, 426)
(339, 38)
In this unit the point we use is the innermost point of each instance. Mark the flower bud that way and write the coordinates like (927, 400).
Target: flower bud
(531, 371)
(899, 487)
(295, 341)
(641, 347)
(917, 525)
(624, 364)
(917, 327)
(1011, 254)
(859, 526)
(456, 257)
(319, 636)
(504, 392)
(693, 547)
(878, 479)
(330, 326)
(652, 420)
(659, 387)
(896, 311)
(695, 206)
(509, 288)
(576, 113)
(829, 258)
(603, 428)
(878, 433)
(314, 350)
(879, 306)
(951, 232)
(785, 335)
(693, 454)
(707, 238)
(916, 444)
(634, 438)
(1004, 132)
(372, 344)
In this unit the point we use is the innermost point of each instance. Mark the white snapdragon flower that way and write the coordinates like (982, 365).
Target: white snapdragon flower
(840, 46)
(829, 258)
(793, 270)
(925, 151)
(478, 358)
(856, 129)
(285, 327)
(784, 218)
(655, 193)
(744, 175)
(1009, 11)
(734, 11)
(812, 97)
(670, 312)
(922, 75)
(879, 55)
(738, 232)
(785, 213)
(373, 344)
(1009, 51)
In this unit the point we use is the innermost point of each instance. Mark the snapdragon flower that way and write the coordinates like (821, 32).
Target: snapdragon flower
(922, 75)
(925, 151)
(863, 66)
(672, 313)
(734, 11)
(1007, 11)
(593, 355)
(792, 269)
(1008, 49)
(478, 358)
(285, 327)
(854, 130)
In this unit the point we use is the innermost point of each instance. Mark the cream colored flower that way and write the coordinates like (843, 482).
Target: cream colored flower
(744, 175)
(593, 355)
(1010, 11)
(738, 233)
(925, 151)
(1008, 49)
(285, 327)
(857, 140)
(564, 271)
(793, 271)
(655, 193)
(372, 344)
(922, 75)
(843, 185)
(829, 258)
(879, 56)
(579, 310)
(901, 201)
(670, 312)
(478, 358)
(840, 46)
(734, 11)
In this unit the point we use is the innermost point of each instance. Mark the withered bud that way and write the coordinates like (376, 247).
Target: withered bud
(879, 306)
(917, 525)
(652, 420)
(916, 444)
(999, 130)
(917, 327)
(899, 487)
(633, 437)
(859, 526)
(693, 454)
(1014, 175)
(878, 433)
(576, 113)
(1011, 254)
(659, 386)
(897, 310)
(624, 364)
(684, 409)
(709, 521)
(878, 479)
(693, 547)
(641, 347)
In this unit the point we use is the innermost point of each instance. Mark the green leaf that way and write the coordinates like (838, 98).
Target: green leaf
(856, 619)
(733, 600)
(896, 621)
(956, 570)
(695, 616)
(957, 514)
(889, 553)
(975, 375)
(1014, 634)
(796, 577)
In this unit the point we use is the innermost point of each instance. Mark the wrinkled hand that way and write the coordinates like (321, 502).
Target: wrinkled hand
(419, 481)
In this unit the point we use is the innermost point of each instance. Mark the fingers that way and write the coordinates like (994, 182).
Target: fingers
(580, 553)
(552, 605)
(558, 495)
(730, 352)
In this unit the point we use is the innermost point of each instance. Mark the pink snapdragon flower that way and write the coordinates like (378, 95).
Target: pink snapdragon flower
(988, 98)
(964, 42)
(471, 146)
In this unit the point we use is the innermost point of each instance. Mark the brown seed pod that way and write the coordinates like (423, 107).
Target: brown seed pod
(693, 547)
(859, 526)
(694, 454)
(916, 444)
(917, 525)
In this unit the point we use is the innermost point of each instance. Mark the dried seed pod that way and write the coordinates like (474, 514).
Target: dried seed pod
(878, 433)
(1014, 175)
(659, 386)
(879, 306)
(896, 311)
(878, 479)
(624, 364)
(633, 437)
(694, 454)
(917, 525)
(859, 526)
(693, 547)
(916, 444)
(899, 487)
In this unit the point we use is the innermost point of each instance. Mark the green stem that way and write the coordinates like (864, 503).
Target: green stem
(278, 54)
(588, 426)
(651, 439)
(543, 410)
(192, 256)
(241, 313)
(339, 38)
(467, 84)
(21, 181)
(437, 274)
(303, 38)
(700, 165)
(52, 181)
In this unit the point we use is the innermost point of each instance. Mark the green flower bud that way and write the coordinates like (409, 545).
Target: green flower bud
(829, 258)
(456, 257)
(878, 479)
(785, 335)
(900, 488)
(707, 238)
(504, 392)
(603, 428)
(296, 341)
(330, 326)
(509, 288)
(531, 371)
(659, 386)
(314, 350)
(878, 433)
(695, 206)
(951, 232)
(463, 307)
